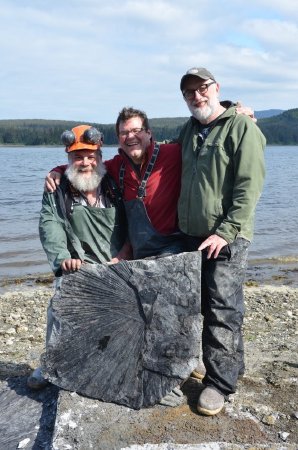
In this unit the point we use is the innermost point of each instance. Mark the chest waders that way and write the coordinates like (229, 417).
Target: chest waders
(95, 235)
(101, 231)
(144, 238)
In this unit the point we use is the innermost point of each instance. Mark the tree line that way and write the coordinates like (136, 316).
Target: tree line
(44, 132)
(281, 129)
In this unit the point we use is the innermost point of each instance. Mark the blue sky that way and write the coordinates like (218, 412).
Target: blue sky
(85, 60)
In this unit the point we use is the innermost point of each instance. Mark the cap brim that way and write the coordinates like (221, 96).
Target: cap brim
(191, 75)
(82, 146)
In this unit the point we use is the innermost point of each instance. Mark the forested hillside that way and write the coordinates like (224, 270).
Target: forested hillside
(281, 129)
(44, 132)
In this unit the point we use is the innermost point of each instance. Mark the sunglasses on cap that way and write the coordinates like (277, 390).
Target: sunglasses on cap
(90, 136)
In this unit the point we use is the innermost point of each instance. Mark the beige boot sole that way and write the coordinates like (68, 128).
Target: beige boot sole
(197, 375)
(208, 412)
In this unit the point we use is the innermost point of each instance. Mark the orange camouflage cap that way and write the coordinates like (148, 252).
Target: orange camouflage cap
(82, 137)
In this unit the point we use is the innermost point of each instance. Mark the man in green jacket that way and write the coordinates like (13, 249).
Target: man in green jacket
(222, 179)
(87, 204)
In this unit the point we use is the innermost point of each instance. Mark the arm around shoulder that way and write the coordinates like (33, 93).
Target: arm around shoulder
(52, 180)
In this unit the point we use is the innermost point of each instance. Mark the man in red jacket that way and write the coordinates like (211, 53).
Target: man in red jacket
(149, 177)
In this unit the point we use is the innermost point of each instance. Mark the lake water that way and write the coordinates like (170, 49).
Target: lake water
(21, 187)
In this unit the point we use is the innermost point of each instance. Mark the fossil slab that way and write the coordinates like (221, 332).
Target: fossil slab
(126, 333)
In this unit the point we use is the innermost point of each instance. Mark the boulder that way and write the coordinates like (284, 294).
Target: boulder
(126, 333)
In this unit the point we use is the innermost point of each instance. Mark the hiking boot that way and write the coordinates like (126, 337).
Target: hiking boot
(199, 372)
(210, 402)
(36, 380)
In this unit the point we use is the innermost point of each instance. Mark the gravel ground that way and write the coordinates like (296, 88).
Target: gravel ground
(262, 414)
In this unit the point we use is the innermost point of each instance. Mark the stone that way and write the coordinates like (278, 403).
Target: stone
(27, 418)
(127, 333)
(283, 435)
(23, 443)
(269, 419)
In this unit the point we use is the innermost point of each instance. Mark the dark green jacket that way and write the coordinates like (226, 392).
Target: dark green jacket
(223, 180)
(94, 235)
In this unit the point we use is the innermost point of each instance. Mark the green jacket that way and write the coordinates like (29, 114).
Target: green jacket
(94, 235)
(223, 179)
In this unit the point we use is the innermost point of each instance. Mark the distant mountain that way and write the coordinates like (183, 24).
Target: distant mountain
(178, 121)
(268, 113)
(280, 128)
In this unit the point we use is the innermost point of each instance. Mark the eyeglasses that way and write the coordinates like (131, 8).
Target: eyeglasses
(134, 131)
(189, 94)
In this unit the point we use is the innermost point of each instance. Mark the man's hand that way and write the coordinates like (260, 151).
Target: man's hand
(246, 110)
(113, 261)
(124, 253)
(71, 265)
(215, 244)
(52, 180)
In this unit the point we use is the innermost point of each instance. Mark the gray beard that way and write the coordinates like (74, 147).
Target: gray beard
(203, 114)
(82, 183)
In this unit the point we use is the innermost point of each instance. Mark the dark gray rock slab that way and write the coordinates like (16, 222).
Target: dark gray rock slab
(27, 417)
(127, 333)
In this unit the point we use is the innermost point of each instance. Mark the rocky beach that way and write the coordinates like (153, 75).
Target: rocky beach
(262, 414)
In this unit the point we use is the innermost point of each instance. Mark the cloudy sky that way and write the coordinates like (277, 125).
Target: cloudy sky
(85, 60)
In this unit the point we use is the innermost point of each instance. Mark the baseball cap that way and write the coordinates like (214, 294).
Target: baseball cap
(82, 137)
(199, 72)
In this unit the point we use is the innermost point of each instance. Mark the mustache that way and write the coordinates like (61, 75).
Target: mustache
(85, 169)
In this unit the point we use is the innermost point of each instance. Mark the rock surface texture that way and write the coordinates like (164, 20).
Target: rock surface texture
(127, 333)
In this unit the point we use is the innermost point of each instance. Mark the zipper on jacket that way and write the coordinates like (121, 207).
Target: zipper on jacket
(193, 174)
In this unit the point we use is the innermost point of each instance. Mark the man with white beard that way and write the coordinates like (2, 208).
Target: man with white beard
(84, 220)
(87, 204)
(221, 182)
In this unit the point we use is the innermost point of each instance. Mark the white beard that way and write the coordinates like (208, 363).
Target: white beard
(202, 114)
(81, 182)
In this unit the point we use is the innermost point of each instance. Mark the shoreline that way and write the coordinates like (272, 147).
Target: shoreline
(275, 271)
(261, 414)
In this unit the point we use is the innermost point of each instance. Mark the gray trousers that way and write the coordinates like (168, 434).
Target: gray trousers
(222, 306)
(53, 327)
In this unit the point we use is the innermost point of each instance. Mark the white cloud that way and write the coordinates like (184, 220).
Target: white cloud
(274, 34)
(286, 8)
(160, 11)
(85, 60)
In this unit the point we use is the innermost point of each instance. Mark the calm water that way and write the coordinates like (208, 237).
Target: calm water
(21, 187)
